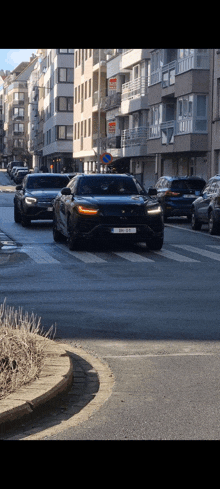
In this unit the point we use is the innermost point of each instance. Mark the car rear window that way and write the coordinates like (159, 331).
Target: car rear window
(47, 182)
(107, 186)
(188, 184)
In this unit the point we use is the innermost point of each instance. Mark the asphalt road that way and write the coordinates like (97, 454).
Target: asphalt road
(153, 317)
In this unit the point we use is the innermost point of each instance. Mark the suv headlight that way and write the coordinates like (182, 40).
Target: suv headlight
(157, 209)
(30, 200)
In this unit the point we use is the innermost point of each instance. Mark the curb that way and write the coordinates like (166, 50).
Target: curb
(55, 377)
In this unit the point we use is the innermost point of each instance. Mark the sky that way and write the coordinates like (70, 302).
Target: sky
(10, 58)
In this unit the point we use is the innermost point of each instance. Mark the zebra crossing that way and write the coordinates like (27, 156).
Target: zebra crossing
(57, 255)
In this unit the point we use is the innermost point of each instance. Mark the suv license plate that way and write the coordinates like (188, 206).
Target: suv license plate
(50, 209)
(123, 230)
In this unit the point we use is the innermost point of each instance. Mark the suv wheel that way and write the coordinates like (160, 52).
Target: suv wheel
(213, 226)
(196, 225)
(57, 235)
(17, 214)
(155, 244)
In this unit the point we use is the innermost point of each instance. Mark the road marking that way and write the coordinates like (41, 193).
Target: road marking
(199, 251)
(134, 257)
(217, 247)
(39, 255)
(175, 256)
(87, 257)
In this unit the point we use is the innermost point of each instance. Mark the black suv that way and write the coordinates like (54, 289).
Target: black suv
(206, 209)
(34, 198)
(176, 194)
(107, 206)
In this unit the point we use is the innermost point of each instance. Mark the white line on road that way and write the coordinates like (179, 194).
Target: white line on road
(39, 255)
(175, 256)
(134, 257)
(84, 256)
(199, 251)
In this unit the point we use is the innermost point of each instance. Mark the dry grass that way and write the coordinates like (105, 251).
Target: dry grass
(21, 352)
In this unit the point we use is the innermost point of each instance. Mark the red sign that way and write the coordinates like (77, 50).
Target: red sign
(112, 84)
(111, 127)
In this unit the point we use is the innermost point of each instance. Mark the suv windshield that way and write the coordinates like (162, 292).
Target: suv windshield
(47, 182)
(188, 184)
(107, 186)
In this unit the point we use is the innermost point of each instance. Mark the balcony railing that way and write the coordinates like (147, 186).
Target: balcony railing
(135, 88)
(111, 142)
(134, 137)
(111, 101)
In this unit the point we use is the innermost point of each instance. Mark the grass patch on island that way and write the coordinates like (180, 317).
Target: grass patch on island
(21, 352)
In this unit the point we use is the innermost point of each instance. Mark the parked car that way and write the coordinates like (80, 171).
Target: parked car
(20, 174)
(107, 206)
(176, 194)
(13, 171)
(206, 209)
(34, 197)
(11, 164)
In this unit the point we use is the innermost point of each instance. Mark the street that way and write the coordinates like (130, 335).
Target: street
(153, 317)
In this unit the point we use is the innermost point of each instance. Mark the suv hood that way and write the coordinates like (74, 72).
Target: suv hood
(44, 193)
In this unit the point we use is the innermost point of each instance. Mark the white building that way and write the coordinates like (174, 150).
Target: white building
(58, 110)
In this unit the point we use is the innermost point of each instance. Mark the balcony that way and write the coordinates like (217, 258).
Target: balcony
(135, 88)
(134, 141)
(134, 95)
(111, 102)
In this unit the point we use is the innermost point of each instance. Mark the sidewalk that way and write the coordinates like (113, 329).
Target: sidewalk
(88, 381)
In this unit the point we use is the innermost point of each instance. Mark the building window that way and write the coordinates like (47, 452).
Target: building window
(66, 51)
(19, 128)
(89, 127)
(18, 113)
(65, 75)
(65, 104)
(65, 132)
(192, 114)
(18, 96)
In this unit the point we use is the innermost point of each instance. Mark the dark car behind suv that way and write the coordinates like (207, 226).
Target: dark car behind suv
(206, 209)
(176, 194)
(34, 198)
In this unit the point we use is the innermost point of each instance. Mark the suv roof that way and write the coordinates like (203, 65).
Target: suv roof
(183, 178)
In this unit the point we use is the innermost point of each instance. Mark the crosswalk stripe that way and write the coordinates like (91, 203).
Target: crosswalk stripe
(199, 251)
(39, 255)
(134, 257)
(174, 256)
(87, 257)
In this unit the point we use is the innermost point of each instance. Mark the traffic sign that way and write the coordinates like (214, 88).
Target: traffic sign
(106, 158)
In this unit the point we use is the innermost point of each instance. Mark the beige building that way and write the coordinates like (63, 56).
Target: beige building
(16, 112)
(86, 114)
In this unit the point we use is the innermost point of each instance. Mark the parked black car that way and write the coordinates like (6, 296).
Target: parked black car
(11, 164)
(176, 194)
(206, 209)
(20, 174)
(34, 198)
(107, 206)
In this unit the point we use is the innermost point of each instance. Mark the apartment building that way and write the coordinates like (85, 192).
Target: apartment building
(15, 103)
(89, 116)
(58, 111)
(179, 97)
(127, 112)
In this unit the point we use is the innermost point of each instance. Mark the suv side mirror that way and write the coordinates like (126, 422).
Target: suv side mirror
(66, 191)
(152, 192)
(18, 187)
